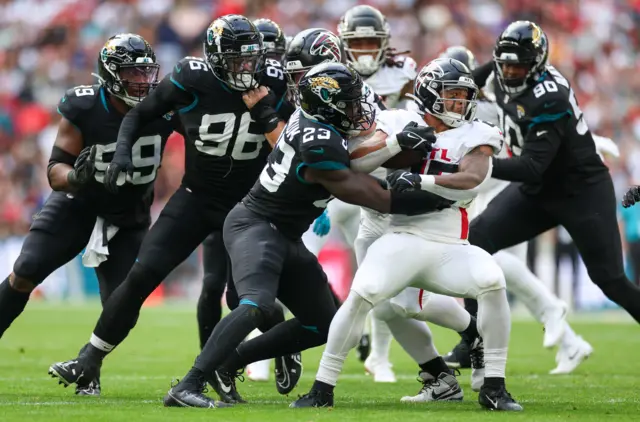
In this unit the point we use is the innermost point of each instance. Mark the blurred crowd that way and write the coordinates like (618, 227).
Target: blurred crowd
(47, 46)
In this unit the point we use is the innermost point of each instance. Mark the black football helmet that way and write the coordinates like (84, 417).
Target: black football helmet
(461, 54)
(235, 52)
(127, 68)
(307, 49)
(364, 22)
(332, 93)
(439, 76)
(522, 43)
(273, 38)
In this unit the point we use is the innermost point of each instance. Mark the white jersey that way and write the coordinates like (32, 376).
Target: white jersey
(450, 225)
(389, 80)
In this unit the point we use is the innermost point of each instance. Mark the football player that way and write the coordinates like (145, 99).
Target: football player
(432, 249)
(308, 165)
(232, 106)
(562, 179)
(80, 211)
(274, 39)
(543, 304)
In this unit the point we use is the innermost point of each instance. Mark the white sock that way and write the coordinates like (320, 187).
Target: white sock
(344, 333)
(444, 311)
(380, 339)
(569, 337)
(525, 285)
(100, 344)
(494, 325)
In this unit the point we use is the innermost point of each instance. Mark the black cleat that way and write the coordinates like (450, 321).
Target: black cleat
(314, 398)
(498, 399)
(191, 396)
(364, 347)
(459, 357)
(288, 372)
(75, 371)
(91, 389)
(224, 383)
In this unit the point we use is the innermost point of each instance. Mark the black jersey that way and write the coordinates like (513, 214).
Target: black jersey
(88, 109)
(281, 194)
(225, 149)
(545, 124)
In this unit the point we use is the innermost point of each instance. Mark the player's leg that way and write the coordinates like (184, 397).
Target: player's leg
(468, 271)
(180, 228)
(257, 251)
(377, 279)
(59, 232)
(590, 219)
(215, 265)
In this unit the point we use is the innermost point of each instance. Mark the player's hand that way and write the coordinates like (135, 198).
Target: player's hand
(322, 225)
(631, 197)
(402, 181)
(84, 167)
(121, 162)
(420, 138)
(254, 96)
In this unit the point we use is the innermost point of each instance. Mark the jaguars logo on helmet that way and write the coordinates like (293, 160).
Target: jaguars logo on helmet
(325, 88)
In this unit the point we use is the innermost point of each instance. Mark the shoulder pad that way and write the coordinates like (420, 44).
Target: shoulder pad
(406, 64)
(485, 133)
(190, 72)
(273, 77)
(79, 99)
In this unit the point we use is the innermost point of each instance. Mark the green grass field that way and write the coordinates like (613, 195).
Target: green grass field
(164, 344)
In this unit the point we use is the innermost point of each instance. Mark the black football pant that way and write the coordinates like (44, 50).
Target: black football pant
(217, 276)
(59, 232)
(183, 224)
(589, 217)
(267, 265)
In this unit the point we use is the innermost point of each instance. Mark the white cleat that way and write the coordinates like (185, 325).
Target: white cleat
(443, 388)
(258, 371)
(554, 324)
(381, 371)
(570, 357)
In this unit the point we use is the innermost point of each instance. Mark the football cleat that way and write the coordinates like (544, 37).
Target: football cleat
(364, 347)
(476, 355)
(92, 389)
(74, 371)
(381, 371)
(288, 372)
(498, 399)
(224, 383)
(570, 357)
(443, 388)
(314, 398)
(459, 357)
(191, 396)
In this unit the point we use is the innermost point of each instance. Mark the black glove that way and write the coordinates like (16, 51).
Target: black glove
(84, 168)
(121, 162)
(419, 138)
(264, 112)
(631, 197)
(402, 181)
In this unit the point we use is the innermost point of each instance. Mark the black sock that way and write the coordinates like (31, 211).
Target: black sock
(493, 382)
(322, 386)
(227, 335)
(471, 305)
(471, 332)
(209, 311)
(12, 303)
(283, 339)
(435, 366)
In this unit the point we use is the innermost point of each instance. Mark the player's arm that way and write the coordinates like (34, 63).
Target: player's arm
(381, 148)
(481, 74)
(263, 104)
(66, 149)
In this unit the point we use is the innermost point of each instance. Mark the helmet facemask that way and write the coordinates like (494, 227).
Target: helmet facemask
(239, 70)
(364, 59)
(131, 82)
(453, 102)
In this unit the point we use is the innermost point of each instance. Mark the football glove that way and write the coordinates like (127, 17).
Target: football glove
(419, 138)
(322, 225)
(84, 168)
(631, 197)
(121, 162)
(401, 181)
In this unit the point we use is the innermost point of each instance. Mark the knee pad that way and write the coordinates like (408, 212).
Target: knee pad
(488, 277)
(28, 272)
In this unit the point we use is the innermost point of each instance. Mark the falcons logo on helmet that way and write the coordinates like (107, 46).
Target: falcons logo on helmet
(326, 44)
